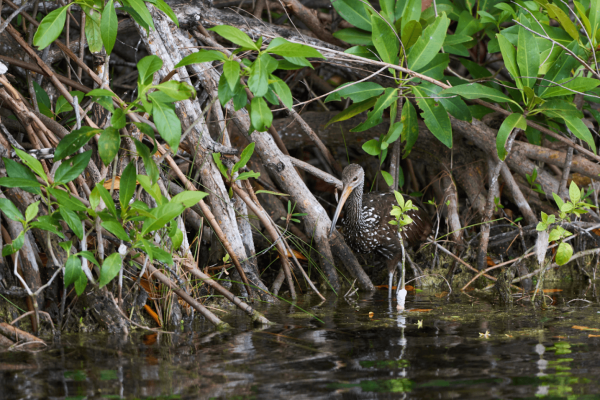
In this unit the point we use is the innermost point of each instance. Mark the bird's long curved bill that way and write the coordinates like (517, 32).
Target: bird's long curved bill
(345, 193)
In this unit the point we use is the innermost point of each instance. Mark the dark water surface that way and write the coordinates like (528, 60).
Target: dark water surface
(529, 353)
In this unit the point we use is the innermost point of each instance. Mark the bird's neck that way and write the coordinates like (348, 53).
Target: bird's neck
(354, 206)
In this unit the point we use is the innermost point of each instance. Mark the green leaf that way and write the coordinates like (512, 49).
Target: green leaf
(178, 90)
(385, 40)
(507, 8)
(62, 105)
(15, 246)
(393, 133)
(100, 93)
(164, 214)
(579, 129)
(88, 255)
(594, 19)
(528, 56)
(247, 175)
(141, 9)
(578, 84)
(18, 182)
(177, 238)
(116, 229)
(363, 51)
(66, 246)
(220, 166)
(224, 91)
(94, 198)
(456, 39)
(574, 192)
(558, 200)
(486, 17)
(555, 234)
(147, 66)
(108, 201)
(164, 7)
(72, 270)
(372, 147)
(354, 36)
(234, 35)
(389, 179)
(473, 91)
(73, 221)
(43, 99)
(409, 10)
(108, 144)
(72, 168)
(18, 170)
(387, 9)
(64, 199)
(201, 56)
(559, 109)
(152, 189)
(231, 70)
(511, 122)
(564, 20)
(258, 81)
(374, 116)
(351, 111)
(109, 26)
(411, 32)
(50, 27)
(32, 211)
(110, 269)
(428, 44)
(188, 198)
(355, 12)
(118, 119)
(167, 122)
(509, 56)
(10, 210)
(93, 33)
(563, 253)
(282, 90)
(127, 185)
(260, 114)
(410, 129)
(435, 117)
(581, 11)
(244, 157)
(74, 141)
(453, 104)
(80, 284)
(32, 163)
(285, 48)
(356, 92)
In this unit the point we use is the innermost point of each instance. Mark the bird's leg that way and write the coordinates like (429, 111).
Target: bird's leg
(391, 267)
(401, 290)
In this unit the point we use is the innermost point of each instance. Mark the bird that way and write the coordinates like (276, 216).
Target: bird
(366, 221)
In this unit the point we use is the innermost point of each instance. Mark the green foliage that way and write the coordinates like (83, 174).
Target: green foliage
(399, 212)
(536, 187)
(134, 225)
(230, 176)
(574, 206)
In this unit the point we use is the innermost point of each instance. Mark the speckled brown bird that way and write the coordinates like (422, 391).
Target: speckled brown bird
(366, 221)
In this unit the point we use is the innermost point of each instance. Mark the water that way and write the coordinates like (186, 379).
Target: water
(439, 352)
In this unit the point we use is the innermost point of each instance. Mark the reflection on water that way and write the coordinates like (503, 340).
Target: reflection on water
(437, 351)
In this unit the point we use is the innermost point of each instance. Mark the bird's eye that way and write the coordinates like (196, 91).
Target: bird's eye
(355, 179)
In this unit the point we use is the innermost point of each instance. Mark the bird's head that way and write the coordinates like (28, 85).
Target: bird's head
(352, 177)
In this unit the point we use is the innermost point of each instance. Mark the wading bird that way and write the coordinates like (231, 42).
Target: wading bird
(366, 222)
